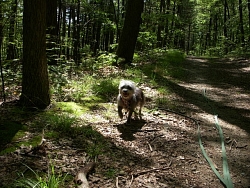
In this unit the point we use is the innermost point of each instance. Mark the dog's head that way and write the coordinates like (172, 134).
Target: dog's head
(126, 89)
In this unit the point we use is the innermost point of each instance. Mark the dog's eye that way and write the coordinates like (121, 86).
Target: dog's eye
(126, 87)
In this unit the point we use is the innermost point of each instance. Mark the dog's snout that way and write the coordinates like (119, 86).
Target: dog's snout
(124, 90)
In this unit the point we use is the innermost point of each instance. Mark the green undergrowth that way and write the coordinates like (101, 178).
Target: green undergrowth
(166, 64)
(32, 179)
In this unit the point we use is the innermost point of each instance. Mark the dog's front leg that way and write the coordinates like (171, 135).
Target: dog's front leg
(120, 112)
(129, 116)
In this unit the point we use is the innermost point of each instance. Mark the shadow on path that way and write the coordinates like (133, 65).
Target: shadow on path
(227, 82)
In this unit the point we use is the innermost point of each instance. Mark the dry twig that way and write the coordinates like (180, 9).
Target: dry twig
(81, 177)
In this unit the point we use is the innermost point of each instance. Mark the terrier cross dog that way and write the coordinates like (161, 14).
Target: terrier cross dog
(129, 98)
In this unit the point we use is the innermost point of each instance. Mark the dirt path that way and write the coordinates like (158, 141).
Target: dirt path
(227, 87)
(228, 91)
(164, 151)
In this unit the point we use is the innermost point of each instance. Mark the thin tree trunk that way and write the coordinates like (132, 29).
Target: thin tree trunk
(166, 35)
(69, 34)
(171, 41)
(11, 51)
(51, 31)
(97, 37)
(77, 35)
(225, 26)
(1, 40)
(161, 24)
(248, 6)
(242, 37)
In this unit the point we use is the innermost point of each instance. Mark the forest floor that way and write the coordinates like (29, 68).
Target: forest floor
(163, 149)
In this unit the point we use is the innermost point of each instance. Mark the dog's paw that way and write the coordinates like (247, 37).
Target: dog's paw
(128, 122)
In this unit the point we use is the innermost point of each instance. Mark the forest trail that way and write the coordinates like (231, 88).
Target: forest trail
(176, 147)
(162, 151)
(226, 86)
(226, 83)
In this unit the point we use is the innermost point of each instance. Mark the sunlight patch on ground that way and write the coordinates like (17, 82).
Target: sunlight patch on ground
(217, 94)
(210, 120)
(93, 118)
(246, 69)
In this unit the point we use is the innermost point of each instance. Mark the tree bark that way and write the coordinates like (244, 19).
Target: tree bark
(51, 31)
(76, 52)
(1, 40)
(248, 7)
(161, 23)
(130, 30)
(242, 37)
(35, 83)
(225, 26)
(11, 51)
(68, 52)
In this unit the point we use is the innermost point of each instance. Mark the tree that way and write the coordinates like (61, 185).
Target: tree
(130, 30)
(242, 38)
(11, 52)
(51, 31)
(1, 40)
(35, 83)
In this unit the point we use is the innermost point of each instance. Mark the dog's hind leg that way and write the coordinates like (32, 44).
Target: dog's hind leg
(140, 112)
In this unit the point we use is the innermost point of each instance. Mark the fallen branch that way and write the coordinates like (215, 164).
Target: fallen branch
(178, 113)
(81, 176)
(131, 181)
(244, 146)
(117, 182)
(147, 171)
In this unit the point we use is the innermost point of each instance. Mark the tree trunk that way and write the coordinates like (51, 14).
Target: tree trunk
(171, 35)
(97, 37)
(215, 35)
(242, 37)
(69, 33)
(1, 40)
(225, 26)
(51, 31)
(11, 51)
(161, 23)
(35, 83)
(130, 30)
(76, 54)
(166, 35)
(248, 7)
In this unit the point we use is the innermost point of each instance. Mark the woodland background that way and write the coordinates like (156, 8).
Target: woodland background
(61, 62)
(84, 32)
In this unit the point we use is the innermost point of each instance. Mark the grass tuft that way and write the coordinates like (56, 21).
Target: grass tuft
(51, 180)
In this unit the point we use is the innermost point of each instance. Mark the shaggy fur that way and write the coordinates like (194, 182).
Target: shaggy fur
(129, 98)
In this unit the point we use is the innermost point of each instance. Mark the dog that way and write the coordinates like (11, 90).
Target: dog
(129, 98)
